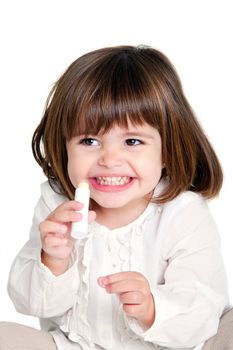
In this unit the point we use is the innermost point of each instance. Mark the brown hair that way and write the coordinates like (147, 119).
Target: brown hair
(111, 86)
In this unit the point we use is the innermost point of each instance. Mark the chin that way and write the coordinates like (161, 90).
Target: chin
(110, 204)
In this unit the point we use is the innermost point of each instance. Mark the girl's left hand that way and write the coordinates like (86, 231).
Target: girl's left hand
(134, 293)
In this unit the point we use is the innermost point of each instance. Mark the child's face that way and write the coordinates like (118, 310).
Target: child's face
(122, 166)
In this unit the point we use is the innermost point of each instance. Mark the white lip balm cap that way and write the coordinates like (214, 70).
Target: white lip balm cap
(79, 229)
(83, 185)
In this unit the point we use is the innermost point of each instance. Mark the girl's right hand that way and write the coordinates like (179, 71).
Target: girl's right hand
(55, 232)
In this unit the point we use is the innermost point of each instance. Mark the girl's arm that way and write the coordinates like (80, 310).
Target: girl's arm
(37, 289)
(192, 297)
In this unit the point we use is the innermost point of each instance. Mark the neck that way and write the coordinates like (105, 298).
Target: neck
(117, 217)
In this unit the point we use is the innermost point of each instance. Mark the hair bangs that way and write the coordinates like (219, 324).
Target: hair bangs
(114, 97)
(100, 116)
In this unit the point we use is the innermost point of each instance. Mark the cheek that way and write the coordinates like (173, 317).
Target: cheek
(78, 167)
(73, 166)
(154, 171)
(150, 164)
(71, 172)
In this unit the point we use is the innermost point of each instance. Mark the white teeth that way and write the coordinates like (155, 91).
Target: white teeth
(113, 181)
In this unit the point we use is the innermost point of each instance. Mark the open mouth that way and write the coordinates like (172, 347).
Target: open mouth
(113, 181)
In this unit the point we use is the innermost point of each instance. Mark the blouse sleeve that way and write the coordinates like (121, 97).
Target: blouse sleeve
(194, 294)
(32, 287)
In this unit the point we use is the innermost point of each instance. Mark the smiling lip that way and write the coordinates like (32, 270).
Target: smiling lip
(111, 183)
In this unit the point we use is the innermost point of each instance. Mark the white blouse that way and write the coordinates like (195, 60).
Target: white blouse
(175, 246)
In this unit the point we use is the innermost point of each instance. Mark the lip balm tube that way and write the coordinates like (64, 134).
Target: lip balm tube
(82, 194)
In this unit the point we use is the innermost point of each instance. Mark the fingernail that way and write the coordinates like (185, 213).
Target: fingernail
(102, 281)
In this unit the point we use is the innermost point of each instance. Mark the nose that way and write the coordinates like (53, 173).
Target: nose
(110, 157)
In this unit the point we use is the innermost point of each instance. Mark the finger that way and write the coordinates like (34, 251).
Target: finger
(115, 277)
(68, 206)
(134, 310)
(124, 286)
(51, 226)
(132, 298)
(65, 216)
(100, 282)
(53, 241)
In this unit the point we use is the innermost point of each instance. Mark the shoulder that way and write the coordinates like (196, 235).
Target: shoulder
(188, 214)
(188, 227)
(186, 202)
(50, 196)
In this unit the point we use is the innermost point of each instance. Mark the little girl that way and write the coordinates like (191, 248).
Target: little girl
(149, 273)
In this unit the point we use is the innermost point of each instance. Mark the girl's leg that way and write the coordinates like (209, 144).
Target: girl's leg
(14, 336)
(223, 340)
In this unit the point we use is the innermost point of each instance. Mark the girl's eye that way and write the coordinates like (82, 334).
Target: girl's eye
(133, 142)
(89, 141)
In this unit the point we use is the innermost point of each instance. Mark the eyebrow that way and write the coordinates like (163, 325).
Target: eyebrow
(139, 134)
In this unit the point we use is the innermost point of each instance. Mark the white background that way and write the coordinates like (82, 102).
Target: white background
(39, 39)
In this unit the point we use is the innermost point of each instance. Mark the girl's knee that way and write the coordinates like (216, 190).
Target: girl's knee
(226, 318)
(223, 340)
(6, 329)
